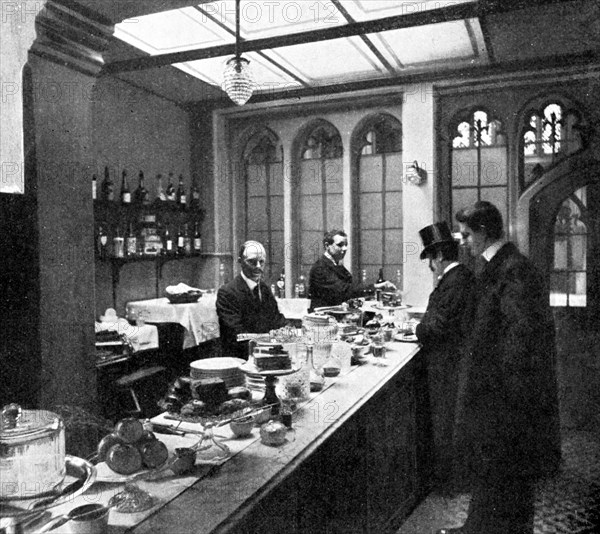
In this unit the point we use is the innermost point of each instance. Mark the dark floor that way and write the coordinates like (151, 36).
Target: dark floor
(569, 503)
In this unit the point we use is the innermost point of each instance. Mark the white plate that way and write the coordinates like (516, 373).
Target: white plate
(221, 364)
(379, 306)
(106, 474)
(253, 371)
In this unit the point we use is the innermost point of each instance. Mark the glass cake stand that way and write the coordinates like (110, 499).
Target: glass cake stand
(270, 377)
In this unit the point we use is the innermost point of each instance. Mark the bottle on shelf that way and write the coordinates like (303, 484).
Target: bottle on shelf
(281, 285)
(181, 197)
(131, 243)
(187, 241)
(363, 281)
(300, 289)
(170, 193)
(168, 248)
(160, 193)
(197, 246)
(101, 243)
(180, 242)
(118, 244)
(125, 193)
(94, 187)
(108, 187)
(195, 197)
(141, 196)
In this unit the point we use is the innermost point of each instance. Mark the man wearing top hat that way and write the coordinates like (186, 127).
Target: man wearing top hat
(443, 332)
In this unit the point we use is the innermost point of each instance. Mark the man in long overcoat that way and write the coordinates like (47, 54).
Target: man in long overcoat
(509, 401)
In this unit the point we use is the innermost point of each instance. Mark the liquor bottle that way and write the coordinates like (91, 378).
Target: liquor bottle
(301, 287)
(171, 189)
(94, 187)
(118, 244)
(197, 240)
(108, 187)
(181, 198)
(187, 241)
(141, 196)
(160, 193)
(194, 197)
(168, 242)
(281, 285)
(131, 243)
(180, 242)
(125, 193)
(101, 243)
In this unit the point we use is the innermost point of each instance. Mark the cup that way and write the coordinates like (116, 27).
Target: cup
(89, 519)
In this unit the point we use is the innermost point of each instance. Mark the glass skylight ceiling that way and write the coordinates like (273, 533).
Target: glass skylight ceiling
(373, 56)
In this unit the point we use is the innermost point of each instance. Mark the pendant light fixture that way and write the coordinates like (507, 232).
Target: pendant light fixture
(238, 82)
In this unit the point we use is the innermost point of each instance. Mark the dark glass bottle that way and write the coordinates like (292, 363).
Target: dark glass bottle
(170, 189)
(187, 241)
(141, 196)
(108, 187)
(380, 279)
(131, 243)
(125, 193)
(180, 242)
(197, 240)
(101, 243)
(181, 197)
(168, 248)
(94, 187)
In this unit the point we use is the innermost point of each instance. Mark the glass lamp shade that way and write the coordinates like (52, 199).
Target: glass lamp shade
(238, 82)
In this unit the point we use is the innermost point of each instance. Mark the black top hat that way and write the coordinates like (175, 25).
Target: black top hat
(433, 235)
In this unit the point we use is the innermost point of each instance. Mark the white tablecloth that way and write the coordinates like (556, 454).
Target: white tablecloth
(198, 318)
(293, 308)
(144, 337)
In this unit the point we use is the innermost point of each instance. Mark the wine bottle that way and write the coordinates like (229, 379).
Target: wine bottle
(181, 198)
(101, 243)
(141, 196)
(380, 280)
(108, 187)
(94, 187)
(301, 287)
(180, 242)
(131, 243)
(125, 193)
(168, 246)
(118, 244)
(187, 241)
(197, 239)
(171, 189)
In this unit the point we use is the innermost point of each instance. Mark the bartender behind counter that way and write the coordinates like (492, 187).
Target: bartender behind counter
(246, 304)
(330, 283)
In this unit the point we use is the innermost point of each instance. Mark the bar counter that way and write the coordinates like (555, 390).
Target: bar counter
(358, 463)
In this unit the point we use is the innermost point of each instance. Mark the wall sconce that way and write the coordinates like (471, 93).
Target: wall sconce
(415, 175)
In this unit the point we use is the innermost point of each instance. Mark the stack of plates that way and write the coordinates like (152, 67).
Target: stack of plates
(227, 369)
(255, 382)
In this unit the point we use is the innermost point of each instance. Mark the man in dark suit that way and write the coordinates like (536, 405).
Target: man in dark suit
(329, 282)
(246, 304)
(509, 406)
(444, 332)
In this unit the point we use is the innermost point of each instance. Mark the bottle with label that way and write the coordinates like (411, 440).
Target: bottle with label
(195, 197)
(197, 240)
(301, 287)
(101, 243)
(181, 198)
(168, 248)
(118, 244)
(170, 193)
(94, 187)
(131, 243)
(141, 196)
(180, 242)
(108, 187)
(281, 285)
(187, 241)
(380, 280)
(125, 193)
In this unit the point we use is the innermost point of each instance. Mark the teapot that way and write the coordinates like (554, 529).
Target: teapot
(273, 433)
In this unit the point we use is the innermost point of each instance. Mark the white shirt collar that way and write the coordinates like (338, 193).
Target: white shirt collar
(493, 249)
(251, 283)
(327, 255)
(448, 269)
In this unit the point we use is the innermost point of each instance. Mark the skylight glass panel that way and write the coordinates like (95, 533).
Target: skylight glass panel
(362, 10)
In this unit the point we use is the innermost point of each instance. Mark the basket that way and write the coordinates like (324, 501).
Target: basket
(184, 298)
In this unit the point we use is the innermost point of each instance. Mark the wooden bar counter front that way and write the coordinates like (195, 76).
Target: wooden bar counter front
(355, 463)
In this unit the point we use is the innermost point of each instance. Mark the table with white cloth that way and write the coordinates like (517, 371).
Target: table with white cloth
(356, 462)
(199, 319)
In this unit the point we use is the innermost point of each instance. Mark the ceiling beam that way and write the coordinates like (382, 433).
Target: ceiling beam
(451, 13)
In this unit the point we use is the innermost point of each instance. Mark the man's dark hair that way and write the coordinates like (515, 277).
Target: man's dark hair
(484, 217)
(449, 250)
(328, 237)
